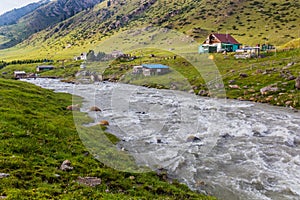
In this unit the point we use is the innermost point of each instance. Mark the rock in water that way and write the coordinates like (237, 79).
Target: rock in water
(193, 139)
(104, 123)
(95, 108)
(73, 107)
(66, 166)
(297, 84)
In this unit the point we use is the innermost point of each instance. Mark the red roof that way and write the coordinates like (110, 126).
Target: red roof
(225, 38)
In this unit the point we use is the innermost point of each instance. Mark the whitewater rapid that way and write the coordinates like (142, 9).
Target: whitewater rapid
(243, 150)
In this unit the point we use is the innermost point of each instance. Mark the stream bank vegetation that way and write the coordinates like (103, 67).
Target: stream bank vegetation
(270, 79)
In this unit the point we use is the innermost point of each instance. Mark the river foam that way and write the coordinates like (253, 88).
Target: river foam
(245, 150)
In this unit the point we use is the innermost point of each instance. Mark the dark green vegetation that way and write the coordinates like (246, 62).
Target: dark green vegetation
(37, 134)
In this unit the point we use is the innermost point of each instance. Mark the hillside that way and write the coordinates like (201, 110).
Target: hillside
(43, 17)
(261, 21)
(11, 17)
(37, 134)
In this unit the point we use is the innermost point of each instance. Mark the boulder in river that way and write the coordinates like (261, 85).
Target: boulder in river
(73, 107)
(203, 93)
(104, 123)
(193, 139)
(95, 109)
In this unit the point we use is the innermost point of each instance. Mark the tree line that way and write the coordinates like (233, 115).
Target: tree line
(30, 61)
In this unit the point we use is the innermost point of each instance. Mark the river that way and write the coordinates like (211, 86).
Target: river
(226, 148)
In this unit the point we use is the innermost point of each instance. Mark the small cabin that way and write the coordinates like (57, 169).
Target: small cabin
(155, 69)
(44, 68)
(19, 74)
(216, 42)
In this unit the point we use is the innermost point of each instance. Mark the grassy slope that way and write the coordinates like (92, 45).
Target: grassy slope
(261, 73)
(261, 21)
(37, 134)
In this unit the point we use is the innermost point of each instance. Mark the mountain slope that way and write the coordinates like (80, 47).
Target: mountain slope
(42, 18)
(251, 23)
(11, 17)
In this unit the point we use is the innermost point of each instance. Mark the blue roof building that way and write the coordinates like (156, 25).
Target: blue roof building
(155, 66)
(152, 69)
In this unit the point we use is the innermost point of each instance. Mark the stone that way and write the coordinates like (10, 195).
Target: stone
(104, 123)
(203, 93)
(231, 81)
(297, 141)
(193, 139)
(73, 107)
(3, 175)
(288, 103)
(267, 89)
(251, 90)
(257, 134)
(66, 166)
(297, 83)
(290, 64)
(191, 91)
(95, 109)
(243, 75)
(240, 99)
(226, 136)
(290, 78)
(269, 98)
(89, 181)
(234, 87)
(259, 71)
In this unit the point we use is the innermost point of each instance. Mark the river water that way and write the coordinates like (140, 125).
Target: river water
(242, 151)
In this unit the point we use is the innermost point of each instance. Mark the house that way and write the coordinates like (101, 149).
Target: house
(216, 42)
(44, 68)
(19, 74)
(155, 69)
